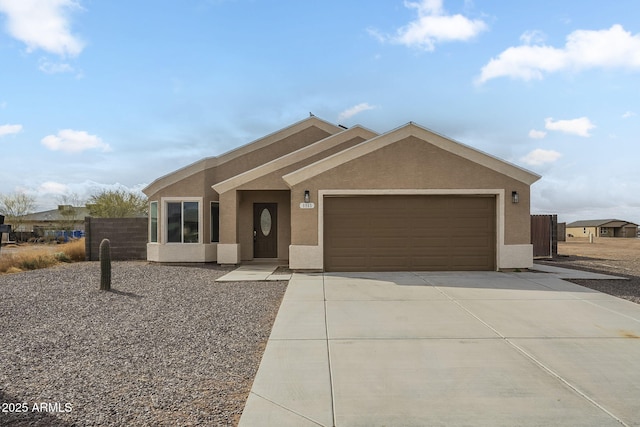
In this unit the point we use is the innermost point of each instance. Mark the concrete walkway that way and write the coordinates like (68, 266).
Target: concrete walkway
(254, 272)
(447, 349)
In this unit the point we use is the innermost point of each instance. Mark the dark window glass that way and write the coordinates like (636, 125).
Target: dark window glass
(190, 226)
(215, 222)
(174, 222)
(153, 213)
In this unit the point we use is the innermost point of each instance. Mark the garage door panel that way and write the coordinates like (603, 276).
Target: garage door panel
(430, 242)
(346, 262)
(468, 224)
(387, 242)
(345, 241)
(369, 233)
(439, 232)
(469, 241)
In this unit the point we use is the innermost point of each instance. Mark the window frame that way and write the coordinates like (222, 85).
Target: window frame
(157, 223)
(165, 219)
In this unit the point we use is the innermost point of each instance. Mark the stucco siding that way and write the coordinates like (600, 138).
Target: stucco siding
(274, 179)
(582, 231)
(412, 164)
(263, 155)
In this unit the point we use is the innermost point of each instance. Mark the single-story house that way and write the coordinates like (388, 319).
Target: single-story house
(602, 228)
(51, 222)
(324, 197)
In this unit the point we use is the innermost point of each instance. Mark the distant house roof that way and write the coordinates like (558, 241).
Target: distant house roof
(56, 215)
(601, 223)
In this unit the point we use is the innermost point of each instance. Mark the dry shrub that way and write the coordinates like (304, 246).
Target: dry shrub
(6, 264)
(74, 250)
(32, 260)
(37, 262)
(26, 261)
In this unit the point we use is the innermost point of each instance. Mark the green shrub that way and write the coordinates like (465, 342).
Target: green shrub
(62, 257)
(40, 261)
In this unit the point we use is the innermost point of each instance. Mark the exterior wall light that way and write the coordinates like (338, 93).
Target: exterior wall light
(515, 198)
(307, 196)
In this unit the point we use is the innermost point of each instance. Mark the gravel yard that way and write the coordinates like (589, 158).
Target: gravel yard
(168, 346)
(616, 256)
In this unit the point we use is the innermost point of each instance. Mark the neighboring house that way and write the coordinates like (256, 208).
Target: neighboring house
(602, 228)
(47, 223)
(328, 198)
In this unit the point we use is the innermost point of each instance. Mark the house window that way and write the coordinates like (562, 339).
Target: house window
(182, 222)
(215, 222)
(153, 222)
(603, 230)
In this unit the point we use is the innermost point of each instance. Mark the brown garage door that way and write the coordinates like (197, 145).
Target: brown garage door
(391, 233)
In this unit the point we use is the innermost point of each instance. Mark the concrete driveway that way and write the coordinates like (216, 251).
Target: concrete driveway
(447, 349)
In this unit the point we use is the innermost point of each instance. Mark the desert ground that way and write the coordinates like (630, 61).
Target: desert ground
(617, 256)
(167, 346)
(25, 248)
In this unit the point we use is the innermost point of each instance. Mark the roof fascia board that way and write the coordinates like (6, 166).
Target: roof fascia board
(293, 157)
(411, 129)
(179, 175)
(209, 162)
(278, 135)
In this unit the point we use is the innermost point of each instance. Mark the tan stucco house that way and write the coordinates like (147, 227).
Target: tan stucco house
(323, 197)
(602, 228)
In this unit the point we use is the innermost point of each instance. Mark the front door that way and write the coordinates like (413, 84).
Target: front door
(265, 230)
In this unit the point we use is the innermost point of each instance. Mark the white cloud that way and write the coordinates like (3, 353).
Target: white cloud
(52, 187)
(532, 37)
(49, 67)
(356, 109)
(74, 141)
(539, 157)
(9, 129)
(43, 24)
(537, 134)
(628, 114)
(611, 48)
(433, 25)
(580, 126)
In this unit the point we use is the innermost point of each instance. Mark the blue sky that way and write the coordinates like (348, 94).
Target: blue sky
(110, 94)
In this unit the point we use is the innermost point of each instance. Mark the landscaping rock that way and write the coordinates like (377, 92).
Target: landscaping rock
(167, 346)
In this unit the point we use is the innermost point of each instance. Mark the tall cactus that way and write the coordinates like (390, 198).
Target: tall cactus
(105, 265)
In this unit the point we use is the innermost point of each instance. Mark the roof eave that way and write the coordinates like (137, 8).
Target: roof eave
(293, 157)
(201, 165)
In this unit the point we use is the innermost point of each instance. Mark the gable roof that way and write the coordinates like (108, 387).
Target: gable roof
(209, 162)
(79, 212)
(294, 157)
(600, 223)
(412, 129)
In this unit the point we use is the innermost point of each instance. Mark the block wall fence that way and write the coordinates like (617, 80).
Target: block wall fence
(128, 237)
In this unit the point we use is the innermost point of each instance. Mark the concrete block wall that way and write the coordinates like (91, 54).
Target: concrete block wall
(128, 237)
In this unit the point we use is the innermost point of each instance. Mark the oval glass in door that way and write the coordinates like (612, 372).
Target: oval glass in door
(265, 222)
